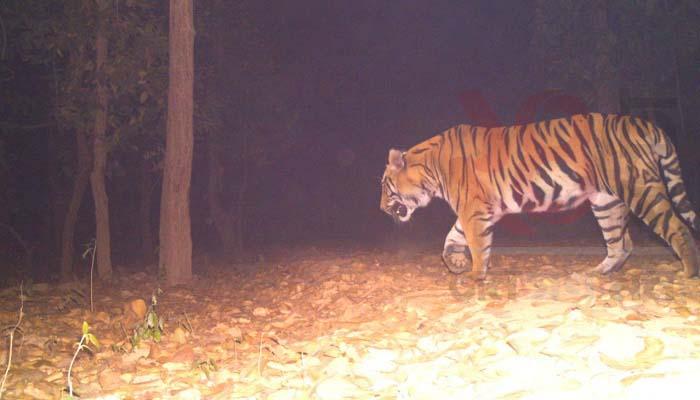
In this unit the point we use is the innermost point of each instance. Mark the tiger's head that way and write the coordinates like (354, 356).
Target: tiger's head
(404, 187)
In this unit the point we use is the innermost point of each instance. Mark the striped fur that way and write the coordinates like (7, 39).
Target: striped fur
(618, 163)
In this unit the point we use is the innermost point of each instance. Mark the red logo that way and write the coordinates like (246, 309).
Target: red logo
(540, 106)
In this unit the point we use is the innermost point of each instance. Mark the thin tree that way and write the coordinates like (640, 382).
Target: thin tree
(175, 231)
(100, 151)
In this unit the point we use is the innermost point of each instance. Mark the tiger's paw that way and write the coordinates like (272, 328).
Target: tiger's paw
(457, 262)
(477, 275)
(610, 265)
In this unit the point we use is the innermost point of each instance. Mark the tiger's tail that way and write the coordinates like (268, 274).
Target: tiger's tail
(671, 169)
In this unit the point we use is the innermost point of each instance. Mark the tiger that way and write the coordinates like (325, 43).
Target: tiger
(619, 163)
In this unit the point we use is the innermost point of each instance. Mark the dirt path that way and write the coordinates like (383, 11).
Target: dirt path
(385, 325)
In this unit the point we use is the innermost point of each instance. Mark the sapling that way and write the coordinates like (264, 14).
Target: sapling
(91, 247)
(85, 340)
(152, 325)
(14, 329)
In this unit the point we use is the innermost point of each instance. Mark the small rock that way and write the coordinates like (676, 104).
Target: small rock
(154, 351)
(110, 379)
(336, 388)
(41, 287)
(359, 266)
(261, 312)
(137, 307)
(179, 336)
(286, 394)
(613, 286)
(102, 317)
(184, 354)
(235, 332)
(37, 393)
(188, 394)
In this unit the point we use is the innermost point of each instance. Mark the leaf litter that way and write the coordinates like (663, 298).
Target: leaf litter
(327, 324)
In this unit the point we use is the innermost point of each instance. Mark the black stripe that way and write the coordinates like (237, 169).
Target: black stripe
(565, 146)
(557, 191)
(544, 174)
(539, 193)
(606, 207)
(658, 199)
(564, 167)
(529, 205)
(667, 220)
(610, 228)
(613, 240)
(642, 199)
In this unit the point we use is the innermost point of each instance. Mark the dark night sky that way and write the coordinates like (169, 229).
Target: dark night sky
(359, 77)
(369, 76)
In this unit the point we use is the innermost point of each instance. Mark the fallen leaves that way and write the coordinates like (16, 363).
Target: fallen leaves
(374, 324)
(646, 358)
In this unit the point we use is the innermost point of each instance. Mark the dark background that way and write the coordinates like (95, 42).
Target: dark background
(321, 90)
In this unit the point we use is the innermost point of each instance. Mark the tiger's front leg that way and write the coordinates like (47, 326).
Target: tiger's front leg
(455, 253)
(479, 235)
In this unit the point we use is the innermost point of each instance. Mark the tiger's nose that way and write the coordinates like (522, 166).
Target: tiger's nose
(400, 210)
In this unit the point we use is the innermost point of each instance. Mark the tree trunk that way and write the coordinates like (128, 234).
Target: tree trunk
(76, 199)
(175, 230)
(97, 177)
(145, 198)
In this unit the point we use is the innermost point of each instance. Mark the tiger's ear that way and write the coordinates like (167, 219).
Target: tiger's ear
(396, 159)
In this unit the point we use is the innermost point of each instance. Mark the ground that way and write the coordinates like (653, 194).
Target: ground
(336, 323)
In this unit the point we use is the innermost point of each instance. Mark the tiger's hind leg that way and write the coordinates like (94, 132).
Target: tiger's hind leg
(656, 210)
(613, 216)
(455, 253)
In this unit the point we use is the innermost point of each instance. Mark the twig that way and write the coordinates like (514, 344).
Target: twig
(303, 368)
(189, 325)
(12, 336)
(260, 355)
(92, 267)
(91, 247)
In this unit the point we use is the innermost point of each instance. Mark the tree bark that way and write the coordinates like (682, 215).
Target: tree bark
(76, 199)
(175, 230)
(97, 177)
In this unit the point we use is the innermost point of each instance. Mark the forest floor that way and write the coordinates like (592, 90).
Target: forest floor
(357, 324)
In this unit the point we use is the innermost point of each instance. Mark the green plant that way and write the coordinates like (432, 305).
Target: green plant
(207, 367)
(12, 330)
(85, 340)
(152, 325)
